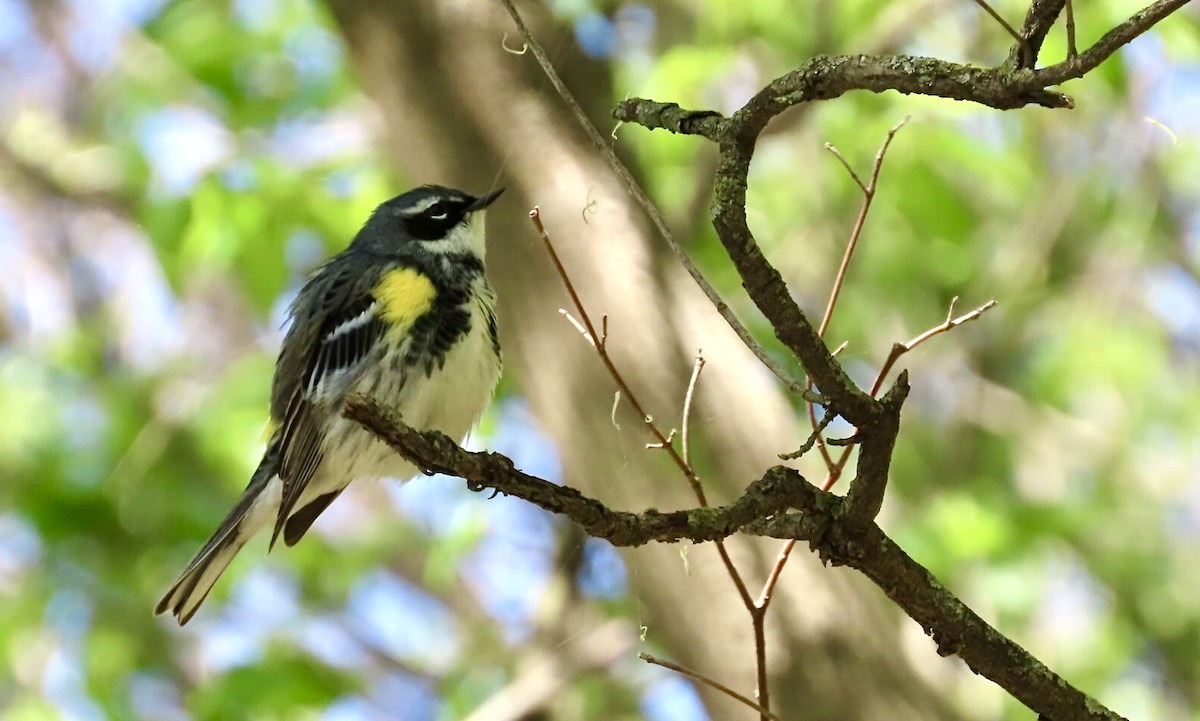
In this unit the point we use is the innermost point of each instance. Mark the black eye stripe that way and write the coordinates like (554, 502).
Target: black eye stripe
(436, 220)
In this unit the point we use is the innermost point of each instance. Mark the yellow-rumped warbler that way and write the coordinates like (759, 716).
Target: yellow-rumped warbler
(404, 315)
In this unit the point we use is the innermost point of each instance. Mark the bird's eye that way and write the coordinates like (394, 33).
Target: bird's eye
(437, 211)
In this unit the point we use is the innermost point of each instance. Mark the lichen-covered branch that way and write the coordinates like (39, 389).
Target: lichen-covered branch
(435, 452)
(953, 626)
(1041, 17)
(781, 504)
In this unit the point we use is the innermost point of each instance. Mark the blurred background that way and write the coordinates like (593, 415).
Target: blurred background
(171, 170)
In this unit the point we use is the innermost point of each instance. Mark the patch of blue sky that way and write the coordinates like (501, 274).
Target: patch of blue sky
(85, 422)
(517, 436)
(263, 602)
(354, 708)
(1191, 233)
(65, 686)
(635, 26)
(316, 53)
(1183, 520)
(671, 698)
(404, 621)
(183, 144)
(69, 613)
(403, 696)
(313, 137)
(1174, 297)
(20, 549)
(257, 15)
(239, 175)
(595, 34)
(1172, 92)
(63, 683)
(131, 277)
(508, 578)
(10, 240)
(327, 639)
(603, 574)
(1072, 605)
(20, 47)
(154, 697)
(509, 569)
(303, 251)
(345, 181)
(137, 12)
(440, 504)
(96, 32)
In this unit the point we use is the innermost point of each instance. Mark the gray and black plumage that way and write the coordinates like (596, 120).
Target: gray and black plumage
(405, 315)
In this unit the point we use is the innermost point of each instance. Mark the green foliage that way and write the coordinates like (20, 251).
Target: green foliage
(1046, 466)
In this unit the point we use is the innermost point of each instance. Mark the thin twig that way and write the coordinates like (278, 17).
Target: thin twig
(898, 350)
(763, 711)
(1011, 31)
(1072, 50)
(600, 343)
(764, 596)
(651, 210)
(758, 622)
(868, 191)
(868, 196)
(818, 427)
(687, 406)
(950, 323)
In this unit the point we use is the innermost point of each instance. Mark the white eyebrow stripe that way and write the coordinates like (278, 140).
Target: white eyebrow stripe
(424, 205)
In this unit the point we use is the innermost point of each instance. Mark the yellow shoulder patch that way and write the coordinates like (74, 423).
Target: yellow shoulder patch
(404, 294)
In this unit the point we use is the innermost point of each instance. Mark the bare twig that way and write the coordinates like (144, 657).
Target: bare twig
(687, 406)
(762, 710)
(651, 210)
(1072, 50)
(950, 323)
(849, 169)
(1003, 23)
(600, 343)
(898, 350)
(868, 191)
(818, 427)
(868, 196)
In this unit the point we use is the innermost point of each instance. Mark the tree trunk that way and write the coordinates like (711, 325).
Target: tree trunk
(459, 110)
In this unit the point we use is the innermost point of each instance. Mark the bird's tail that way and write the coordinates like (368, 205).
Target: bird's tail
(258, 505)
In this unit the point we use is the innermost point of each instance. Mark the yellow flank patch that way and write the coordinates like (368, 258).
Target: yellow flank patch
(404, 295)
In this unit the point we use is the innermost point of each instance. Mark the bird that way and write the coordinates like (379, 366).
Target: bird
(405, 315)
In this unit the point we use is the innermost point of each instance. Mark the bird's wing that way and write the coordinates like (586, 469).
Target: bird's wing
(336, 323)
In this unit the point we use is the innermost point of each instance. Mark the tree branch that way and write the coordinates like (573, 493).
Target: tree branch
(828, 76)
(436, 453)
(781, 504)
(1038, 21)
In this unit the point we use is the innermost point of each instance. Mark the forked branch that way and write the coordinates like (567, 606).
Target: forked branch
(780, 504)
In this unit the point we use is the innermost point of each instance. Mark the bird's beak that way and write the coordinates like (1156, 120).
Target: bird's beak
(484, 201)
